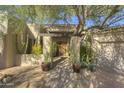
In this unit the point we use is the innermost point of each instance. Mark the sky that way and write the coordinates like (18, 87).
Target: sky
(89, 22)
(74, 20)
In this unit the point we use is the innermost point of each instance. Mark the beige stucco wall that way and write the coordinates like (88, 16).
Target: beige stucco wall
(3, 22)
(8, 55)
(47, 52)
(110, 49)
(2, 55)
(3, 32)
(35, 29)
(10, 50)
(3, 28)
(30, 59)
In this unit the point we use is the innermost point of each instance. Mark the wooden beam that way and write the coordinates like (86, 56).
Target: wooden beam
(56, 34)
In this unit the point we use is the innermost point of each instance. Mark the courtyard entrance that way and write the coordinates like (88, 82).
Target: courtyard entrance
(62, 46)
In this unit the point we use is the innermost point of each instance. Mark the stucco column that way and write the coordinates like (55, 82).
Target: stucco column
(10, 50)
(75, 49)
(47, 52)
(3, 32)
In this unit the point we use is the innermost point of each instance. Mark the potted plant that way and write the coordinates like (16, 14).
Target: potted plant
(76, 67)
(48, 59)
(46, 65)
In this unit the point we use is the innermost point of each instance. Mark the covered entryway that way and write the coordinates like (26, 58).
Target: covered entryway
(62, 41)
(62, 45)
(62, 49)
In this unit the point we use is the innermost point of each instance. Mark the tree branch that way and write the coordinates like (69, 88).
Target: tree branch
(77, 10)
(113, 11)
(116, 20)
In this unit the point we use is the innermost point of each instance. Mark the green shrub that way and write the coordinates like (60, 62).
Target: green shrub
(86, 52)
(36, 49)
(54, 48)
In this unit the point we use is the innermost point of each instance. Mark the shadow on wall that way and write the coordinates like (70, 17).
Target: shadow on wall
(111, 59)
(29, 59)
(18, 60)
(1, 65)
(111, 52)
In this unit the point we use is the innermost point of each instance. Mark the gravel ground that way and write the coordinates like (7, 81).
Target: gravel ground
(61, 76)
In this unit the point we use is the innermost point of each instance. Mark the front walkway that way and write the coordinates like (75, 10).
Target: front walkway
(62, 76)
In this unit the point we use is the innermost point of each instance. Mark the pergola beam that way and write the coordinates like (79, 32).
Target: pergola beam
(56, 34)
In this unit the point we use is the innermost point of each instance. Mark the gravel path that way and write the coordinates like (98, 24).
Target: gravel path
(62, 76)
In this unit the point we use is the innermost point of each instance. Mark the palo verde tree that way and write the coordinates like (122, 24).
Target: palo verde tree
(101, 17)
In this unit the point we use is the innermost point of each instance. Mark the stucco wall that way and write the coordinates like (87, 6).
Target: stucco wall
(110, 49)
(8, 45)
(3, 32)
(29, 59)
(47, 51)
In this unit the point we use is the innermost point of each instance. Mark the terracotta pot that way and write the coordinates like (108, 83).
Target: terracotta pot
(46, 66)
(76, 67)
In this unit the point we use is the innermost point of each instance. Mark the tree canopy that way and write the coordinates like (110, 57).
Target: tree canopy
(98, 16)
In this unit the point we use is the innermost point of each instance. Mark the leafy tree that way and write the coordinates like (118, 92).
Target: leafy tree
(102, 17)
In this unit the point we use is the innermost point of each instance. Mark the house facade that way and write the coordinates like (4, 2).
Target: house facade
(9, 40)
(12, 41)
(59, 34)
(109, 44)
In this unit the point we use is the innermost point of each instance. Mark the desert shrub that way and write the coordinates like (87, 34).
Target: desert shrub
(54, 48)
(86, 52)
(36, 49)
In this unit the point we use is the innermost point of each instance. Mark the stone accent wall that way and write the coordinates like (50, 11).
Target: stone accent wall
(110, 49)
(29, 59)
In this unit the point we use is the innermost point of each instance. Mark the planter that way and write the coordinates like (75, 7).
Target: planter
(76, 67)
(46, 66)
